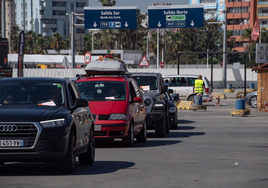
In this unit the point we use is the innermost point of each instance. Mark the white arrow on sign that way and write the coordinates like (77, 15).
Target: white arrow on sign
(126, 25)
(192, 23)
(159, 24)
(95, 25)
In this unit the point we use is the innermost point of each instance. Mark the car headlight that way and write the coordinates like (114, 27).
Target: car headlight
(53, 123)
(117, 117)
(172, 110)
(148, 102)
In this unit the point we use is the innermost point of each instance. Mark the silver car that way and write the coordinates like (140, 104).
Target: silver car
(183, 85)
(251, 99)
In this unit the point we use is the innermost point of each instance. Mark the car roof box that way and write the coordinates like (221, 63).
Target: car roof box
(106, 67)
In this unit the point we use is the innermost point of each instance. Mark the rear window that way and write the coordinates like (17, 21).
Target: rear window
(102, 90)
(150, 81)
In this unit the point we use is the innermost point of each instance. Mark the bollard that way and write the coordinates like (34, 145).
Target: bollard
(251, 85)
(240, 104)
(198, 99)
(198, 103)
(229, 86)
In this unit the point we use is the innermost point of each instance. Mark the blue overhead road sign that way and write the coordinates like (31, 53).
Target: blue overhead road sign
(110, 17)
(176, 16)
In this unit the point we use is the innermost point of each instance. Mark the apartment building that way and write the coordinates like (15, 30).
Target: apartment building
(263, 13)
(241, 15)
(212, 8)
(9, 17)
(48, 16)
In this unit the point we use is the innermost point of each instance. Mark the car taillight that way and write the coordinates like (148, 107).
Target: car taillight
(207, 90)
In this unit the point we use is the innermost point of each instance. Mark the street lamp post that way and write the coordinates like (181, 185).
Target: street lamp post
(224, 66)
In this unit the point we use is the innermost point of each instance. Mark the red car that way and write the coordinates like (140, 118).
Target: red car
(117, 106)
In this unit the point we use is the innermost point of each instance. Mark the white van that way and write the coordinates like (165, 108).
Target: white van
(183, 85)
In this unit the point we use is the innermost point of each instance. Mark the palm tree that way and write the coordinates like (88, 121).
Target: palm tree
(247, 35)
(57, 42)
(14, 38)
(41, 45)
(30, 38)
(107, 2)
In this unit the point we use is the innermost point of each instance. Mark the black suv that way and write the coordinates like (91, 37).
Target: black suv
(45, 120)
(157, 108)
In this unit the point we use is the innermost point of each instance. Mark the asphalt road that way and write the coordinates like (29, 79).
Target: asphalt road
(210, 149)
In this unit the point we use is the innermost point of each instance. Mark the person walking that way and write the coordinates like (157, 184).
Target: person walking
(199, 85)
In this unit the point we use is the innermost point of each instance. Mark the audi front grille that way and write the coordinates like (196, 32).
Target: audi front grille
(25, 131)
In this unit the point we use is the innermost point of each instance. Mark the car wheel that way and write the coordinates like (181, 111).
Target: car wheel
(142, 137)
(160, 127)
(129, 140)
(253, 101)
(174, 126)
(88, 157)
(68, 163)
(191, 98)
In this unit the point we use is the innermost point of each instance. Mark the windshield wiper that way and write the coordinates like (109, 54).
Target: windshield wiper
(96, 99)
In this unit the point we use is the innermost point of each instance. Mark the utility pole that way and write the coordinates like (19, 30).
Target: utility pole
(224, 67)
(157, 56)
(3, 20)
(224, 57)
(24, 16)
(72, 40)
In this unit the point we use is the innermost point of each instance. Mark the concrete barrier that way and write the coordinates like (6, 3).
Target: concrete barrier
(185, 105)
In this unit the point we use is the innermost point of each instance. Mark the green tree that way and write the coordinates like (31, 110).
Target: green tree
(42, 45)
(57, 42)
(14, 38)
(247, 35)
(30, 39)
(108, 2)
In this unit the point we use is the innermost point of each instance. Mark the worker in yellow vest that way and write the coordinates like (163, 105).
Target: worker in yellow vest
(199, 85)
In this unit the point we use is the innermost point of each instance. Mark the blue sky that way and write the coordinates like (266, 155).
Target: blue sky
(141, 4)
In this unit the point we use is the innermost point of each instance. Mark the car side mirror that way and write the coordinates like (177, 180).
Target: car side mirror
(137, 99)
(80, 103)
(170, 90)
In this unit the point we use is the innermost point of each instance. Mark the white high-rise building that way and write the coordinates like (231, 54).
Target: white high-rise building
(48, 16)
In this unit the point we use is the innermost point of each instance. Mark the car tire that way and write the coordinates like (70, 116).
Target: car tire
(190, 98)
(174, 126)
(88, 157)
(142, 137)
(160, 127)
(253, 101)
(68, 163)
(129, 140)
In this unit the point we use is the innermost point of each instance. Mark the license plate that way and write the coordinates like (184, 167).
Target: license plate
(11, 142)
(97, 127)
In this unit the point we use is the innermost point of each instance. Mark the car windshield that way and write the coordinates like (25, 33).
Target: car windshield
(37, 93)
(102, 90)
(147, 82)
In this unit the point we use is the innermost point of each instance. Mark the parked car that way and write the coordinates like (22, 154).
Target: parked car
(183, 84)
(157, 109)
(251, 99)
(46, 120)
(116, 102)
(173, 115)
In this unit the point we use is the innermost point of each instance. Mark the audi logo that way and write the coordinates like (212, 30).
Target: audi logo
(8, 128)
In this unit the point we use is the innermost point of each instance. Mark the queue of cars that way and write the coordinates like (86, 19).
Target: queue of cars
(55, 120)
